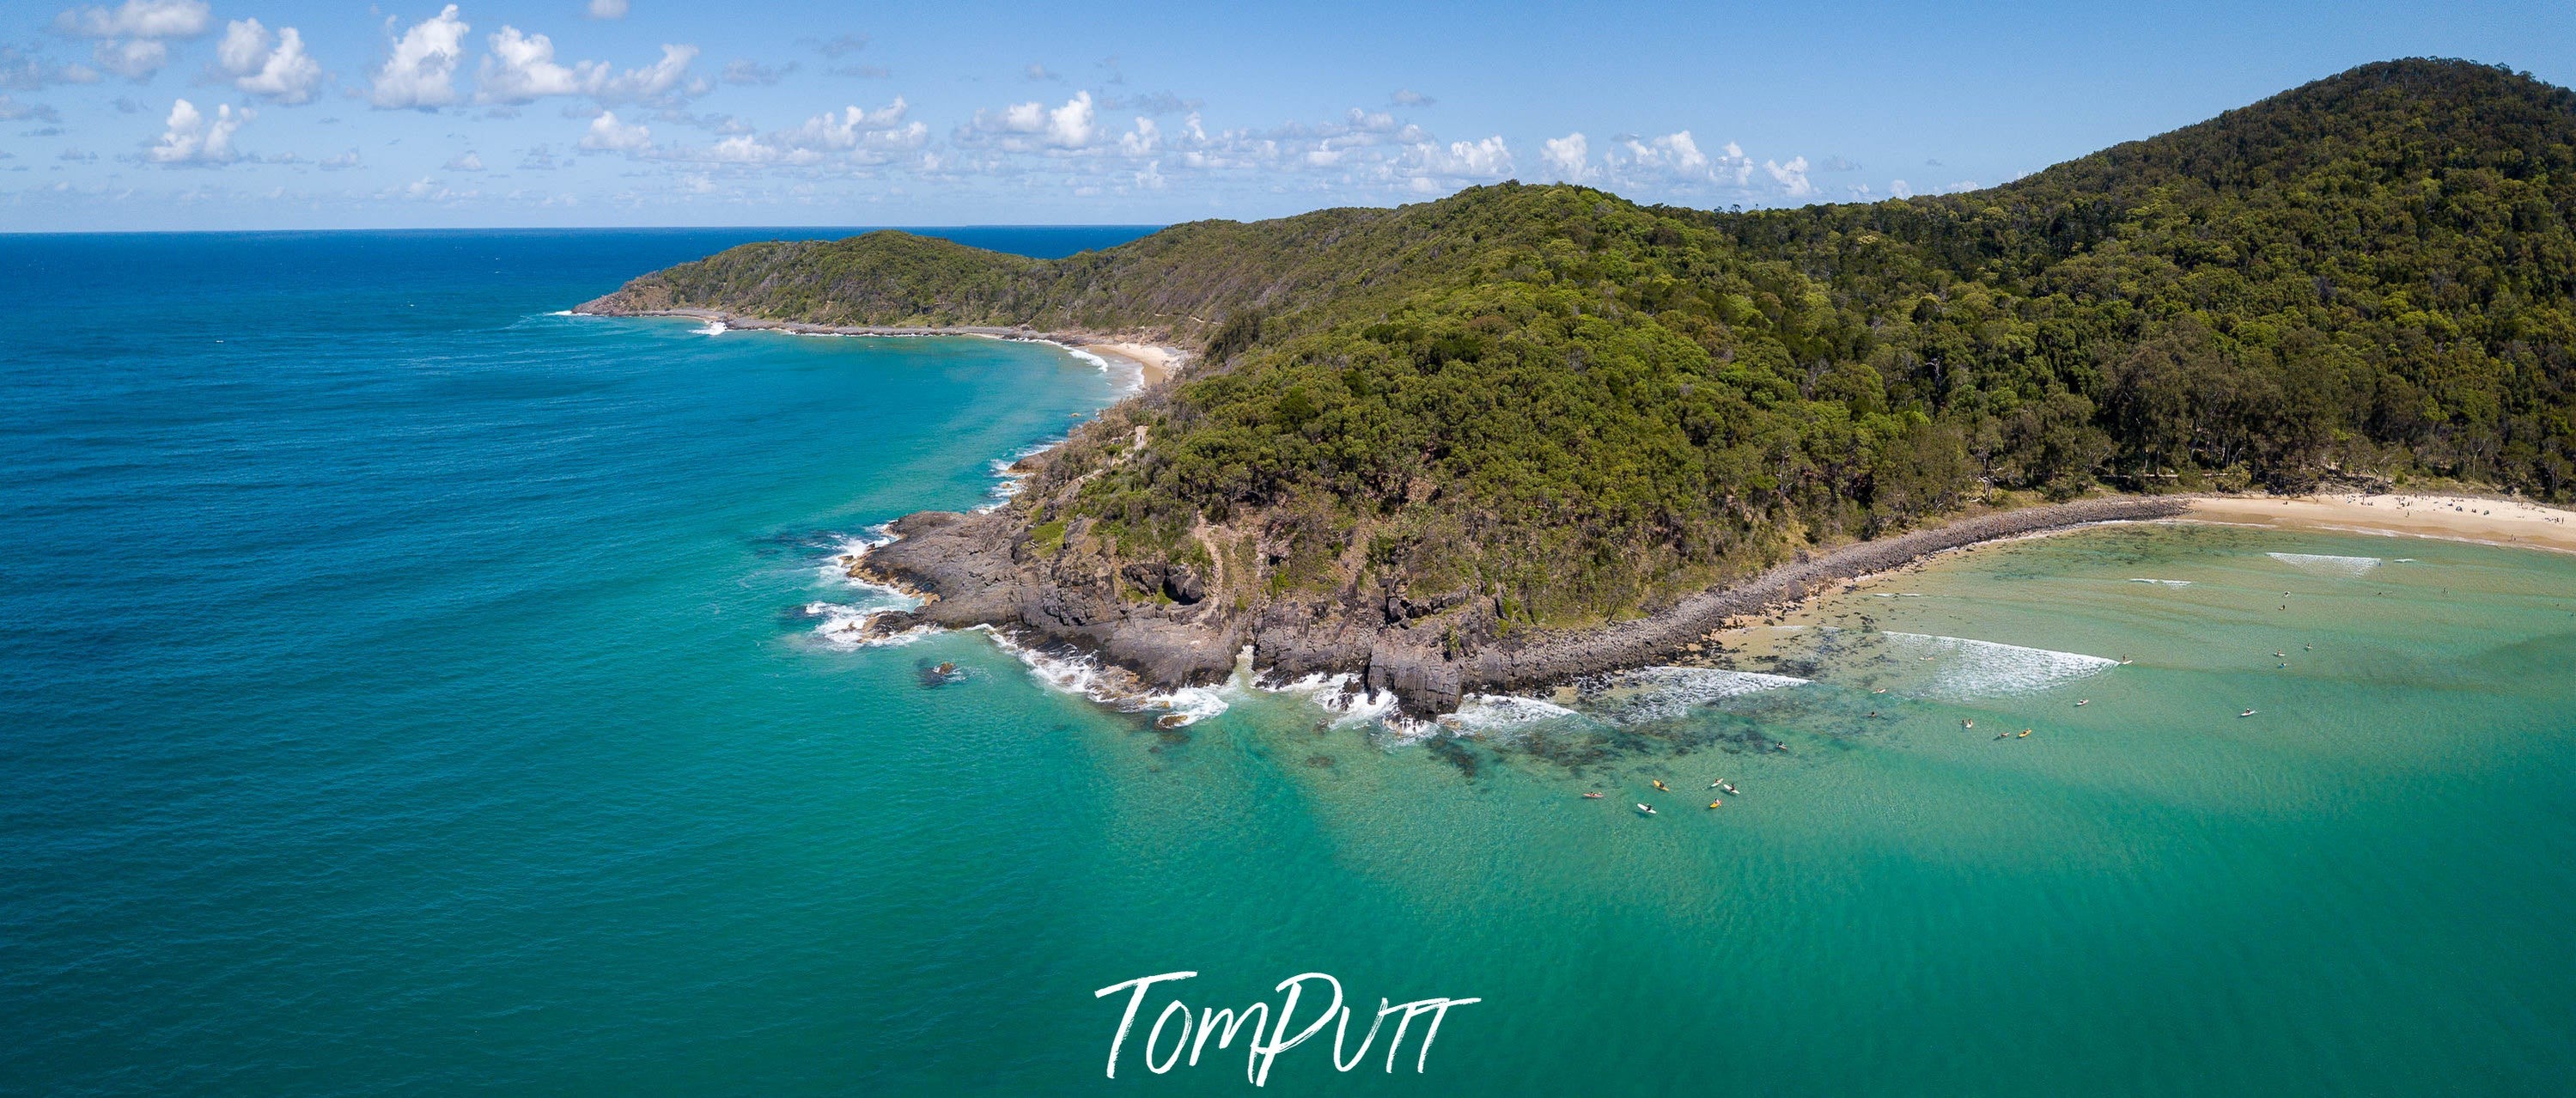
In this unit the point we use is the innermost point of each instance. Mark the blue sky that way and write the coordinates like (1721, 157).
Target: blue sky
(259, 114)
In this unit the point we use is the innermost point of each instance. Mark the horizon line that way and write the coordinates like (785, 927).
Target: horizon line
(4, 233)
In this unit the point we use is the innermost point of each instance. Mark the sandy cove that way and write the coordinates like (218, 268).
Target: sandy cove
(1156, 363)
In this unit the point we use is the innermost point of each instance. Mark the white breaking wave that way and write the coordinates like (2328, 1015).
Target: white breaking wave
(845, 624)
(2168, 583)
(1983, 669)
(1008, 480)
(1129, 376)
(713, 328)
(1192, 704)
(2318, 564)
(1341, 695)
(1667, 693)
(1479, 713)
(1115, 687)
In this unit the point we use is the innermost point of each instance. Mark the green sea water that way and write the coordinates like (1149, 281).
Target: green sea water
(438, 704)
(2363, 888)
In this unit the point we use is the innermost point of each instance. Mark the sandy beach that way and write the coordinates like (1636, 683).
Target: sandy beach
(1156, 362)
(2456, 518)
(2449, 518)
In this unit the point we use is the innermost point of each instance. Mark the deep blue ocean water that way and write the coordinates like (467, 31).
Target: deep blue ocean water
(407, 690)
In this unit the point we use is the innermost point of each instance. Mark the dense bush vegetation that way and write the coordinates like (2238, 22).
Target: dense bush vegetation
(1580, 405)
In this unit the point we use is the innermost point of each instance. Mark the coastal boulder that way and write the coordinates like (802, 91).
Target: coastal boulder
(1421, 681)
(1183, 584)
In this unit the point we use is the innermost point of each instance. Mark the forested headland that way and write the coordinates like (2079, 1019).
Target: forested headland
(1525, 407)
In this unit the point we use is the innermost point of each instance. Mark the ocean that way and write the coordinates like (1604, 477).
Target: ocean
(408, 689)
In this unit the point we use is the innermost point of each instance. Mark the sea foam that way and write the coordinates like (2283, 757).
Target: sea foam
(845, 622)
(1008, 480)
(1965, 668)
(1127, 375)
(1481, 714)
(1668, 693)
(1341, 695)
(2321, 565)
(1115, 687)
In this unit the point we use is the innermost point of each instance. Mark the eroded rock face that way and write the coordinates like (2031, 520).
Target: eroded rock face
(1428, 649)
(1422, 681)
(966, 567)
(1146, 577)
(1183, 584)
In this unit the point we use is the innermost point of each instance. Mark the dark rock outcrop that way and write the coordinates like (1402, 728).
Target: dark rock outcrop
(980, 570)
(1430, 651)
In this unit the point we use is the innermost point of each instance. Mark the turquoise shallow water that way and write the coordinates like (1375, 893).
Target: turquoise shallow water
(413, 692)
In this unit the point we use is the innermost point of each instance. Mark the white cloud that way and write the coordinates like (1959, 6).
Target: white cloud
(1792, 177)
(1486, 159)
(1070, 126)
(651, 83)
(1141, 141)
(188, 137)
(284, 74)
(137, 19)
(606, 9)
(131, 36)
(863, 136)
(23, 71)
(347, 159)
(1023, 125)
(1371, 121)
(1740, 164)
(1568, 156)
(135, 59)
(244, 46)
(521, 68)
(854, 127)
(1675, 153)
(468, 162)
(1900, 190)
(419, 71)
(609, 135)
(427, 190)
(1408, 97)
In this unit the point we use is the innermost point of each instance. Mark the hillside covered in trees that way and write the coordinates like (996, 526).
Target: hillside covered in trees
(1530, 406)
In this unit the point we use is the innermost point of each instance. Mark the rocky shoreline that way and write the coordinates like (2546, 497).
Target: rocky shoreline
(979, 569)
